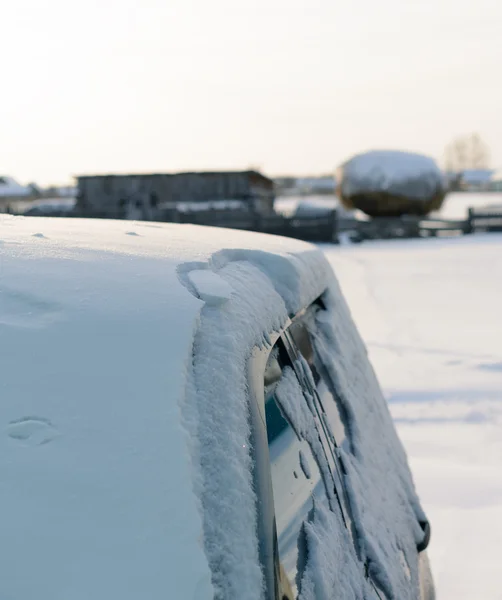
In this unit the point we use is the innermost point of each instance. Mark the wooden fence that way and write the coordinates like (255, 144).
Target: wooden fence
(488, 219)
(329, 227)
(319, 228)
(478, 220)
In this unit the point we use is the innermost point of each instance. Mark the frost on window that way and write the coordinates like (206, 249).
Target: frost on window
(377, 478)
(334, 413)
(298, 467)
(304, 465)
(330, 566)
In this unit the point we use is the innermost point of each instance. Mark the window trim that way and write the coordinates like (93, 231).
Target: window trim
(262, 478)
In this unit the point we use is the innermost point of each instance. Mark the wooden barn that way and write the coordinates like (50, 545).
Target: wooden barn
(150, 196)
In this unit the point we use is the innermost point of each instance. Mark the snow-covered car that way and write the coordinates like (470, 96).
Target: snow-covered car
(190, 414)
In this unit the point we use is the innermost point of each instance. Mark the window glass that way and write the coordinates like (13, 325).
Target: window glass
(296, 353)
(330, 416)
(296, 479)
(334, 413)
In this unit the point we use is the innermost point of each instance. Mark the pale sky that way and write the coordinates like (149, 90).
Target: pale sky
(290, 86)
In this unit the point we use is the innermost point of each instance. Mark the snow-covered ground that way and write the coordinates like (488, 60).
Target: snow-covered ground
(456, 204)
(430, 312)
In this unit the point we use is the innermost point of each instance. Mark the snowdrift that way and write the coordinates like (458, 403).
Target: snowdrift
(391, 184)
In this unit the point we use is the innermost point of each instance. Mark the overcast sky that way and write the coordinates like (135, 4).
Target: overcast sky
(290, 86)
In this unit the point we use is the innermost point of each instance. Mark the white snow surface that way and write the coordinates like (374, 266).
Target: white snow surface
(267, 289)
(98, 492)
(456, 204)
(265, 293)
(382, 496)
(210, 287)
(429, 312)
(400, 173)
(93, 455)
(328, 545)
(125, 468)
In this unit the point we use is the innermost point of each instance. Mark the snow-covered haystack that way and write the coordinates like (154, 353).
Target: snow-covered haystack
(385, 183)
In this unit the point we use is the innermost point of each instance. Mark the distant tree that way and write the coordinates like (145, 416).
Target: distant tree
(467, 152)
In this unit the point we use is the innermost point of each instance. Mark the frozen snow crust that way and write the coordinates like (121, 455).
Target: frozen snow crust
(126, 466)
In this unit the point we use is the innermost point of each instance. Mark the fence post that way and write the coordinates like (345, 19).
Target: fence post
(469, 227)
(335, 239)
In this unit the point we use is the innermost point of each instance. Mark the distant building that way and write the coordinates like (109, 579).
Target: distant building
(12, 192)
(496, 181)
(317, 185)
(147, 197)
(475, 179)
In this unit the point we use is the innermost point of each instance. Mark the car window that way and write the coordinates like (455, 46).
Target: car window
(334, 431)
(306, 467)
(333, 410)
(296, 478)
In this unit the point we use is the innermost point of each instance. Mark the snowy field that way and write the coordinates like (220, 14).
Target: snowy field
(430, 312)
(457, 204)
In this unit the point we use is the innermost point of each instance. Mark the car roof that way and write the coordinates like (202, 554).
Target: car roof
(170, 241)
(54, 261)
(97, 321)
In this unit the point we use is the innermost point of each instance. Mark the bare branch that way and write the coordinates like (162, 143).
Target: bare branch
(467, 152)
